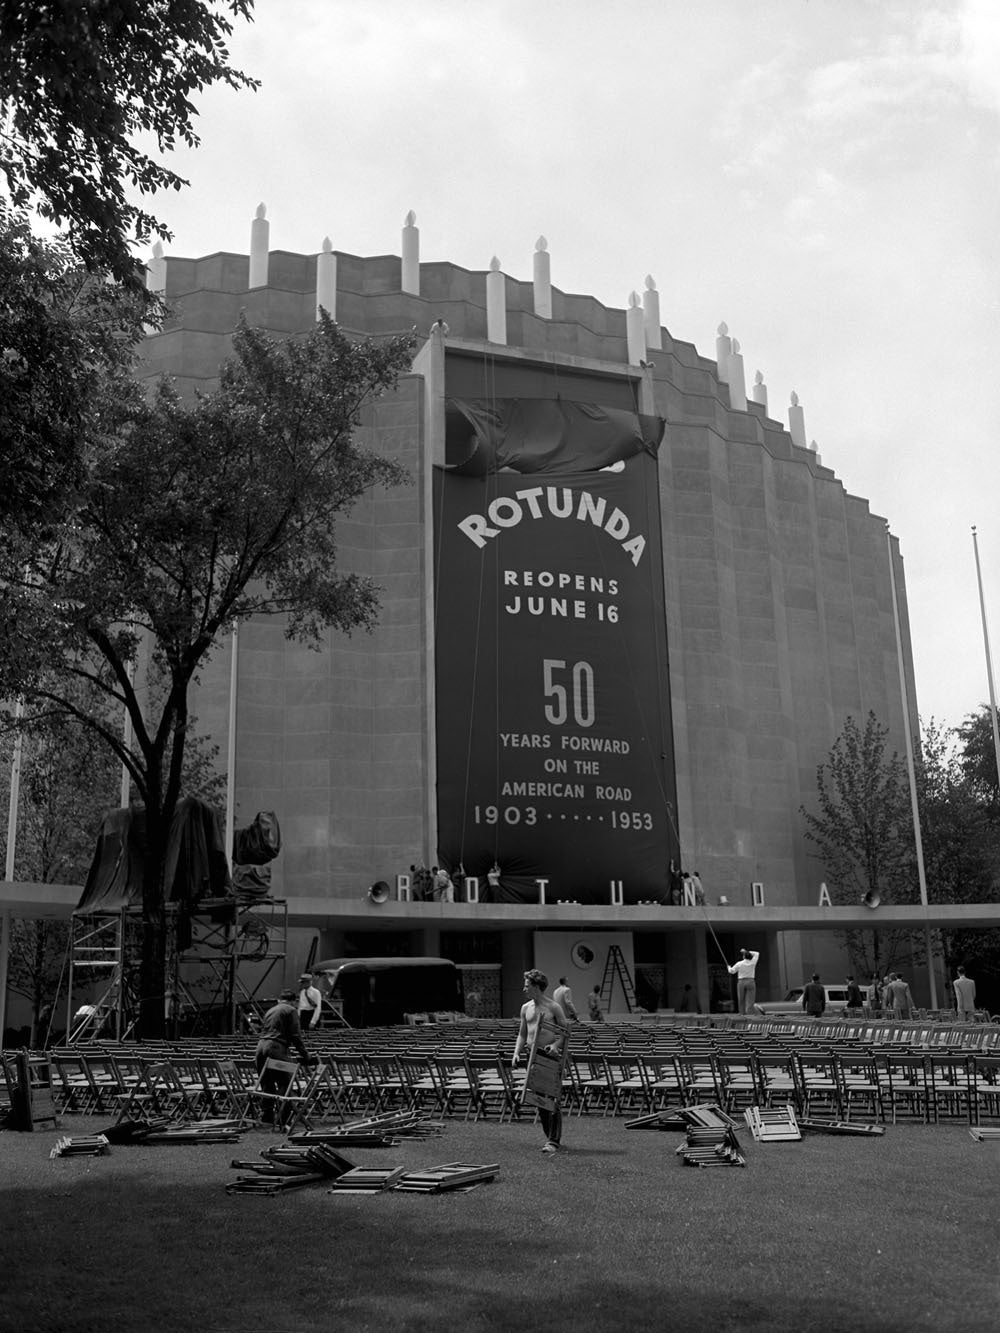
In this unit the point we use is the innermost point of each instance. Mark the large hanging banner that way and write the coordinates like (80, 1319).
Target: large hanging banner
(554, 746)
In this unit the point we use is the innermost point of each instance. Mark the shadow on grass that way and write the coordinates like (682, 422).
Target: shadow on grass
(814, 1237)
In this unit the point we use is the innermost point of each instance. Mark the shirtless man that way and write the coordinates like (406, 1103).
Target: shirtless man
(538, 1003)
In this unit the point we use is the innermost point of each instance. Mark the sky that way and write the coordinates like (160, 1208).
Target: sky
(822, 175)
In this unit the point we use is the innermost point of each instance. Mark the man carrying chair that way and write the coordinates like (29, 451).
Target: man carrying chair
(279, 1031)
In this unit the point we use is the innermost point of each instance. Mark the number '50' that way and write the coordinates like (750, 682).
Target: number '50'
(582, 686)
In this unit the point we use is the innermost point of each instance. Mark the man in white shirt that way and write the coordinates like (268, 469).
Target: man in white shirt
(744, 970)
(310, 1002)
(965, 996)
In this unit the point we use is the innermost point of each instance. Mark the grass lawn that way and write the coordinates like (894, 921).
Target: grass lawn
(831, 1235)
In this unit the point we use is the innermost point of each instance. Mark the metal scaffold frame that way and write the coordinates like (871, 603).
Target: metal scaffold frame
(219, 958)
(237, 945)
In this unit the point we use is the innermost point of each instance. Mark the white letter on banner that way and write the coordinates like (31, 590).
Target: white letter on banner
(476, 530)
(530, 497)
(513, 517)
(617, 526)
(635, 548)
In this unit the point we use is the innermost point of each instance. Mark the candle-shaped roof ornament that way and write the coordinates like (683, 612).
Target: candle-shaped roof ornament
(635, 330)
(326, 279)
(737, 379)
(410, 271)
(759, 390)
(496, 304)
(260, 236)
(542, 279)
(651, 314)
(797, 422)
(156, 270)
(723, 351)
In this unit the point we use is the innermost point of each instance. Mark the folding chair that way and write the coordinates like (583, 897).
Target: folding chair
(905, 1089)
(699, 1078)
(72, 1085)
(949, 1086)
(385, 1081)
(984, 1087)
(819, 1081)
(225, 1093)
(284, 1106)
(738, 1080)
(778, 1077)
(453, 1082)
(420, 1082)
(492, 1090)
(627, 1087)
(663, 1079)
(859, 1081)
(591, 1076)
(157, 1095)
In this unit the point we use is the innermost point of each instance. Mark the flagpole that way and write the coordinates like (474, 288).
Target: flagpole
(911, 771)
(234, 668)
(989, 656)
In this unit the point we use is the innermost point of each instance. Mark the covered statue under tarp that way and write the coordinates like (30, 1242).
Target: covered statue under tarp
(196, 859)
(254, 847)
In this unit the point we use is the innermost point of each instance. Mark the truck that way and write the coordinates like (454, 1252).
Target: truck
(380, 992)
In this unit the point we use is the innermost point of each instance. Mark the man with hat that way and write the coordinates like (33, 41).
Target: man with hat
(310, 1002)
(279, 1031)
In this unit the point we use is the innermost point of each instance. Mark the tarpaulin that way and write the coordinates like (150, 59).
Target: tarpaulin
(196, 865)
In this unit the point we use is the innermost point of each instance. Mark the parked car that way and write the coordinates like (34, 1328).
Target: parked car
(836, 1001)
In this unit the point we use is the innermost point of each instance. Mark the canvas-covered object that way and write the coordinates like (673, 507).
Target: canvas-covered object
(553, 436)
(196, 858)
(259, 842)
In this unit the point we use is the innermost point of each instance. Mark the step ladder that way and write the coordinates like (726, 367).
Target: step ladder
(615, 967)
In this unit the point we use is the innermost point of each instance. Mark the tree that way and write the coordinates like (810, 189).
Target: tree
(81, 80)
(864, 834)
(69, 780)
(979, 758)
(65, 340)
(960, 830)
(193, 516)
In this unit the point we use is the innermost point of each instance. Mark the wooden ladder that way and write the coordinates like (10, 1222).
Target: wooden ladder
(615, 967)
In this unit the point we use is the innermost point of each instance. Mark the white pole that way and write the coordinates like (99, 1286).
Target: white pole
(989, 655)
(5, 919)
(234, 664)
(4, 964)
(918, 842)
(15, 792)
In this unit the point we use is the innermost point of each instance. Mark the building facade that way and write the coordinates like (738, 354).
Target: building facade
(777, 625)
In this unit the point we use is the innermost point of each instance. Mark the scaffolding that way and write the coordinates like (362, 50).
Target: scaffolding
(220, 976)
(102, 948)
(219, 958)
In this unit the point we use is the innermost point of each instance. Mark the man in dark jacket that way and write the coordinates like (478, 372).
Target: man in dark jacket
(279, 1031)
(814, 997)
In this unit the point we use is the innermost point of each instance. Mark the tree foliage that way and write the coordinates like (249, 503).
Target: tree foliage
(979, 758)
(960, 827)
(192, 516)
(863, 833)
(82, 83)
(66, 344)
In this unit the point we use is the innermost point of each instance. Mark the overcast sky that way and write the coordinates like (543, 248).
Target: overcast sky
(820, 174)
